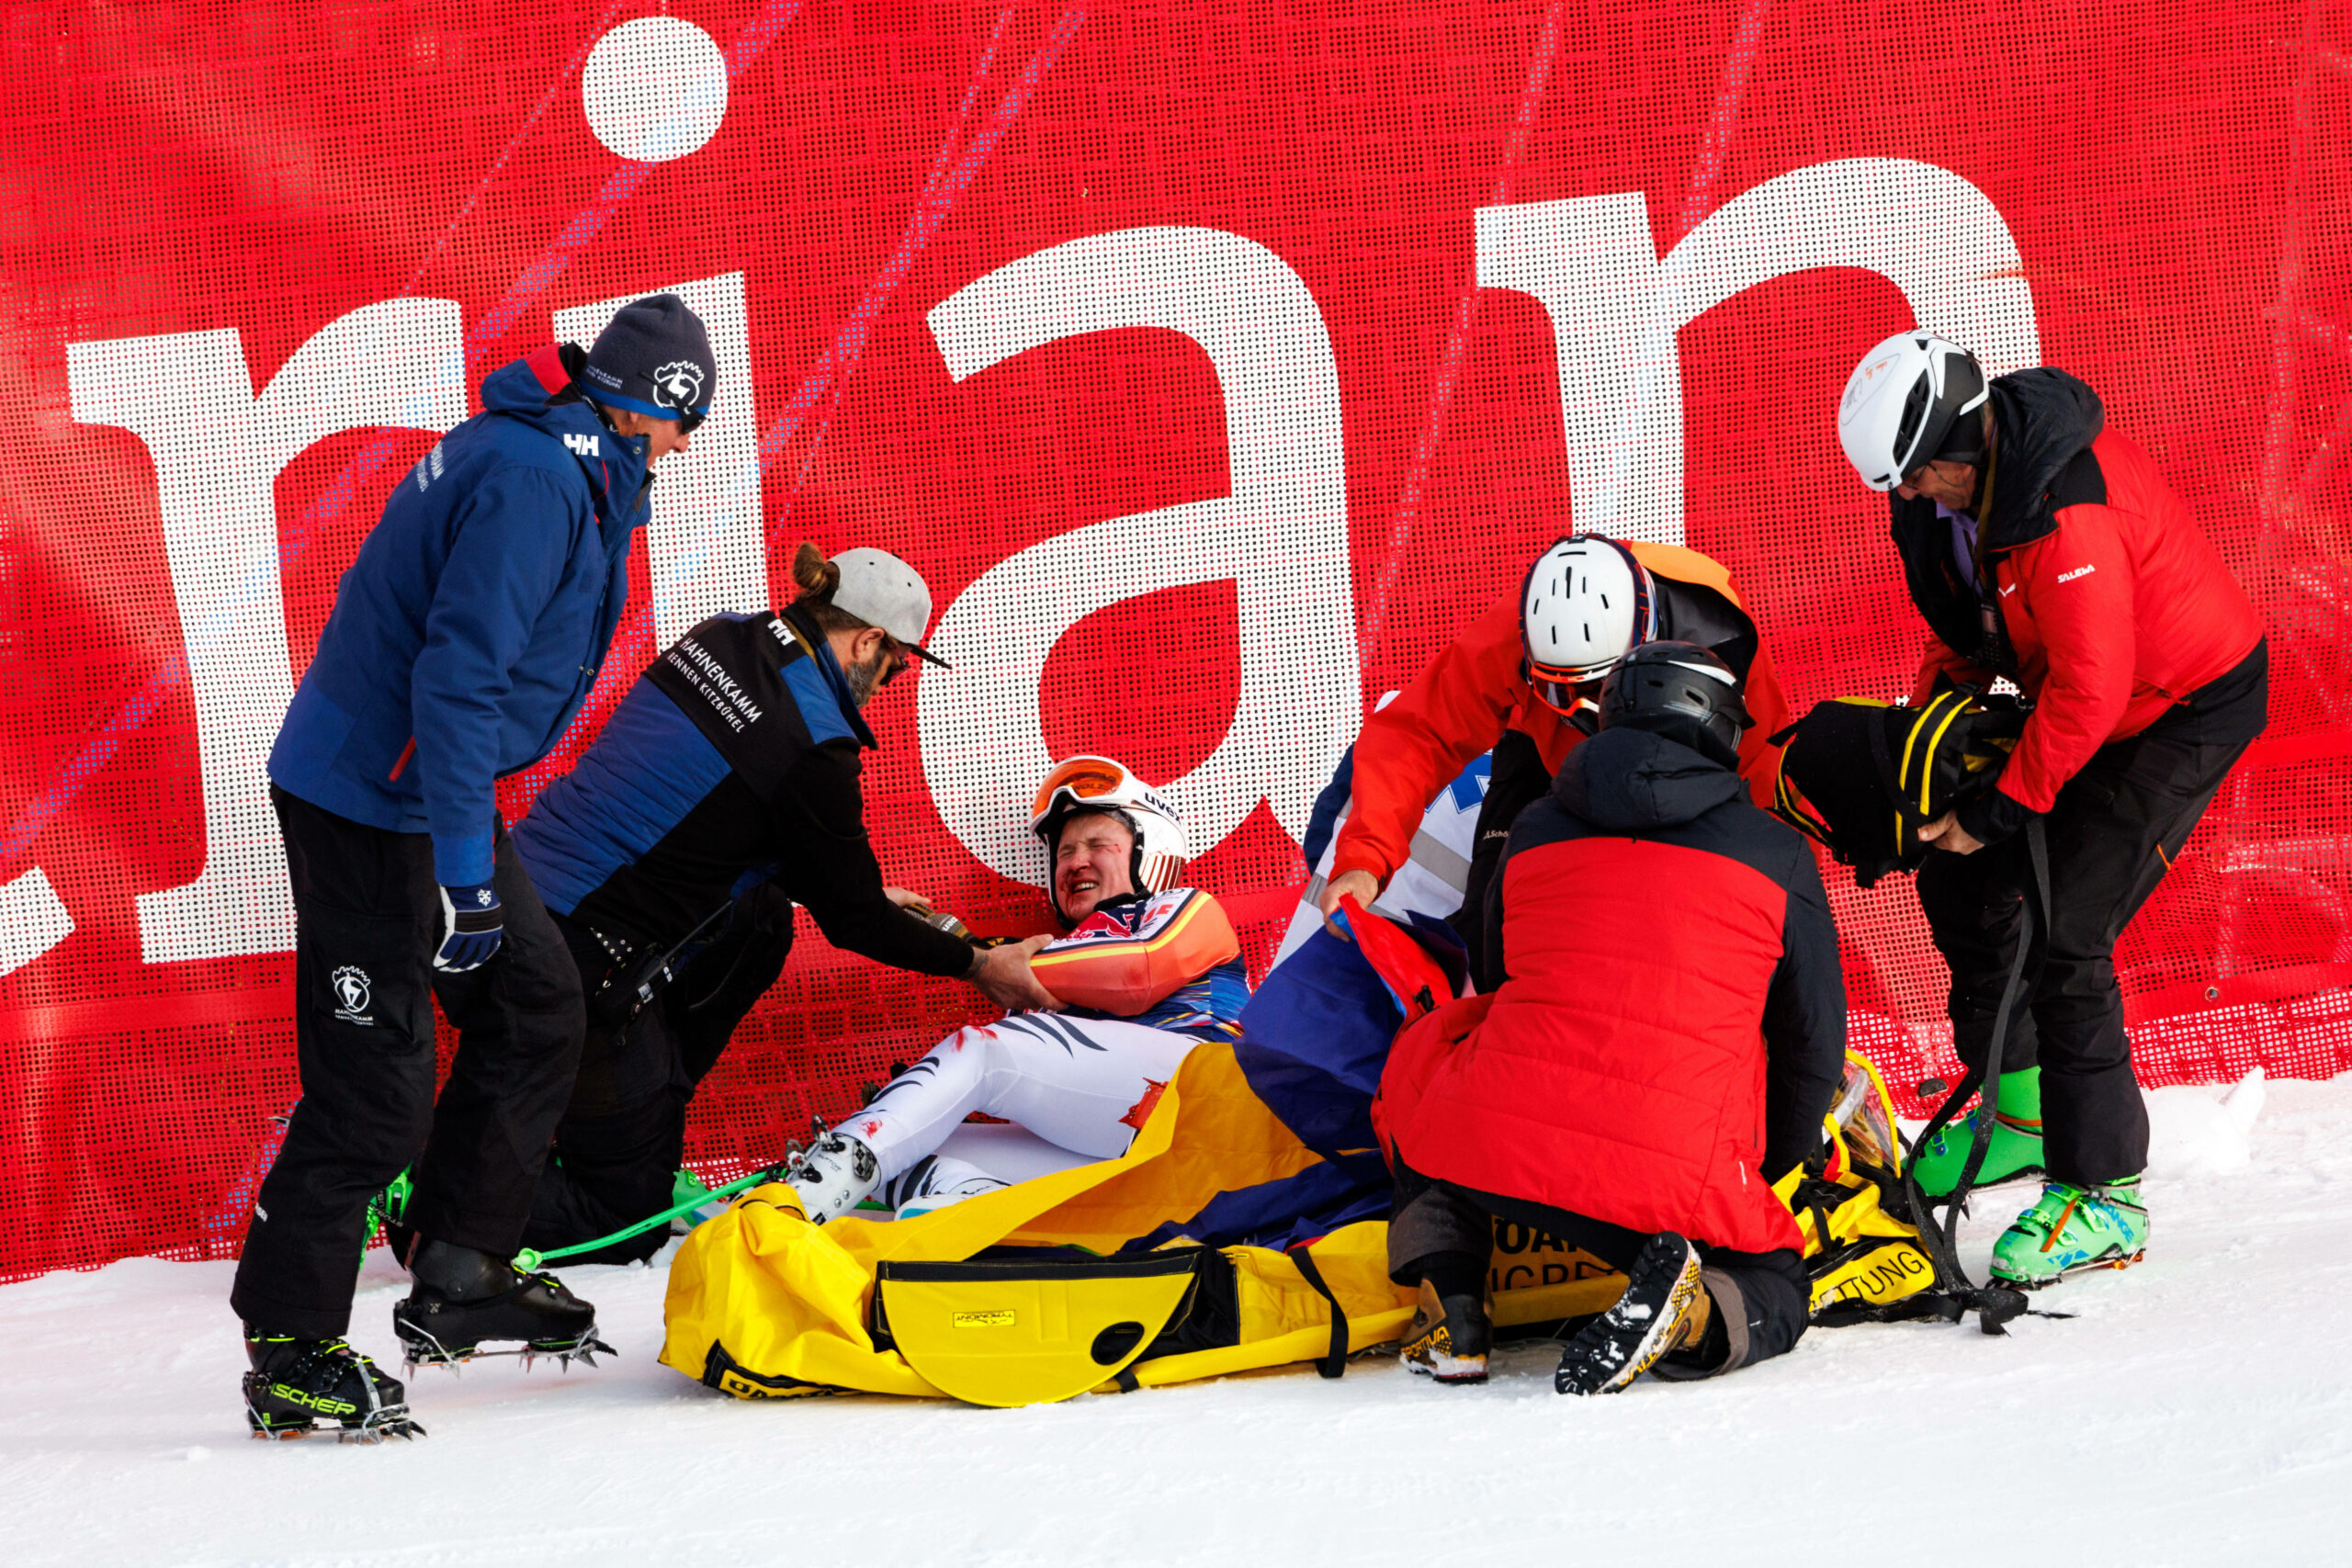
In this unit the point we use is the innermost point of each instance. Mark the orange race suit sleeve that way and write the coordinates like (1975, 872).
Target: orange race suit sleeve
(1131, 954)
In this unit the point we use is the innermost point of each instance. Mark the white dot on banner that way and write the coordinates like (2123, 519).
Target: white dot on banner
(654, 89)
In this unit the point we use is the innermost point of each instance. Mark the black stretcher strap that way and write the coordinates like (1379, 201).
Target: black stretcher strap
(1957, 1295)
(1335, 1361)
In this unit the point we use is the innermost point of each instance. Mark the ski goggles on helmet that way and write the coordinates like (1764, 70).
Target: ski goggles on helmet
(1578, 702)
(1084, 780)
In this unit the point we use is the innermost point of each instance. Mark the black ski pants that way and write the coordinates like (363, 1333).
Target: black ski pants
(1442, 1230)
(624, 1134)
(2113, 832)
(366, 923)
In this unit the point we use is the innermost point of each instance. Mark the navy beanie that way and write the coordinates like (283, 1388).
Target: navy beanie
(654, 356)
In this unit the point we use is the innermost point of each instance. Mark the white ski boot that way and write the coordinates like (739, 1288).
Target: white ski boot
(934, 1182)
(833, 1175)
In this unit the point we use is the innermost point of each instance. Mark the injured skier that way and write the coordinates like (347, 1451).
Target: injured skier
(1146, 970)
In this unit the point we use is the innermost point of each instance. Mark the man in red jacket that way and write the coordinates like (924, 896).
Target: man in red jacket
(2042, 547)
(1666, 1038)
(1520, 679)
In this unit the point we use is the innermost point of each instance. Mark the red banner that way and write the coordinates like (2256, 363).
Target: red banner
(1213, 364)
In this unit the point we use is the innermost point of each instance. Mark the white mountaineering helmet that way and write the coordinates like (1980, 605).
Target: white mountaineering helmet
(1903, 406)
(1099, 783)
(1585, 603)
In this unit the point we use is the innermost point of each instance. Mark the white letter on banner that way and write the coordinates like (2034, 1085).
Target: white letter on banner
(217, 450)
(704, 549)
(33, 919)
(1280, 536)
(1616, 310)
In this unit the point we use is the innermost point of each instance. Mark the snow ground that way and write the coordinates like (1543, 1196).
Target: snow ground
(2198, 1409)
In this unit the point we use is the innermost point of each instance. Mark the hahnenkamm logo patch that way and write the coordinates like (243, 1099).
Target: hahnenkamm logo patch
(353, 992)
(678, 385)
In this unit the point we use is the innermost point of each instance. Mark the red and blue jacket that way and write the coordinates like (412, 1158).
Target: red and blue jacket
(470, 627)
(1672, 1025)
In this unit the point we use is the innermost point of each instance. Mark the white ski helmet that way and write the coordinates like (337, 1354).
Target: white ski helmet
(1903, 406)
(1100, 783)
(1585, 603)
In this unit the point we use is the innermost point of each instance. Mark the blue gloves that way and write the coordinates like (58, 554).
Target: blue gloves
(471, 927)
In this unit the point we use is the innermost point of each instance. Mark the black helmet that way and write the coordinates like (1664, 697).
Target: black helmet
(1680, 691)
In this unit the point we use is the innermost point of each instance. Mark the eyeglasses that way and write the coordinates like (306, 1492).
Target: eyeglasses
(689, 420)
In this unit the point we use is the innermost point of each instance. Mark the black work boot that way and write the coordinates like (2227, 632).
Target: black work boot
(464, 1297)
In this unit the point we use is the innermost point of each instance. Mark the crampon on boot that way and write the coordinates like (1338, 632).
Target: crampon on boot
(1450, 1337)
(832, 1176)
(295, 1384)
(935, 1181)
(2071, 1229)
(1665, 1308)
(2015, 1149)
(463, 1298)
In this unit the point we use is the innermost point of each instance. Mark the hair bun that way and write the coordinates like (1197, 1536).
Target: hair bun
(816, 577)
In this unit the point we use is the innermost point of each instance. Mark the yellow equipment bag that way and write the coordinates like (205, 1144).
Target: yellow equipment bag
(1860, 1259)
(1007, 1333)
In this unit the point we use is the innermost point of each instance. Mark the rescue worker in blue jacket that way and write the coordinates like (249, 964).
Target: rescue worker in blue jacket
(724, 789)
(463, 640)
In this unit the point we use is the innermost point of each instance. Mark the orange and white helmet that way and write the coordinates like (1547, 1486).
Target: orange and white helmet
(1100, 784)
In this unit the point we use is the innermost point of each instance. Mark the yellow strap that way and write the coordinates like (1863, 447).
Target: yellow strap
(1927, 771)
(1912, 739)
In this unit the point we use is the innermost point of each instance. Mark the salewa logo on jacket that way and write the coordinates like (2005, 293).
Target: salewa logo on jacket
(2078, 571)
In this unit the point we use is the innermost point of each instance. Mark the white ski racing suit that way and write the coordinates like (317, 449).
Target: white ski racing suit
(1145, 980)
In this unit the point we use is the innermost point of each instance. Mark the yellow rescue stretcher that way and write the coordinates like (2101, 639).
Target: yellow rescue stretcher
(762, 1304)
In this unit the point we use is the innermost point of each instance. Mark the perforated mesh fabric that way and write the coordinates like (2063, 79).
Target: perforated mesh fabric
(1155, 337)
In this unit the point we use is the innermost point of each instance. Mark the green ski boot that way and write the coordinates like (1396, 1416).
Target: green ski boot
(2016, 1148)
(2072, 1228)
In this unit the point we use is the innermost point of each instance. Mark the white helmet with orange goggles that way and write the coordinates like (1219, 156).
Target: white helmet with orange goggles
(1587, 601)
(1099, 783)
